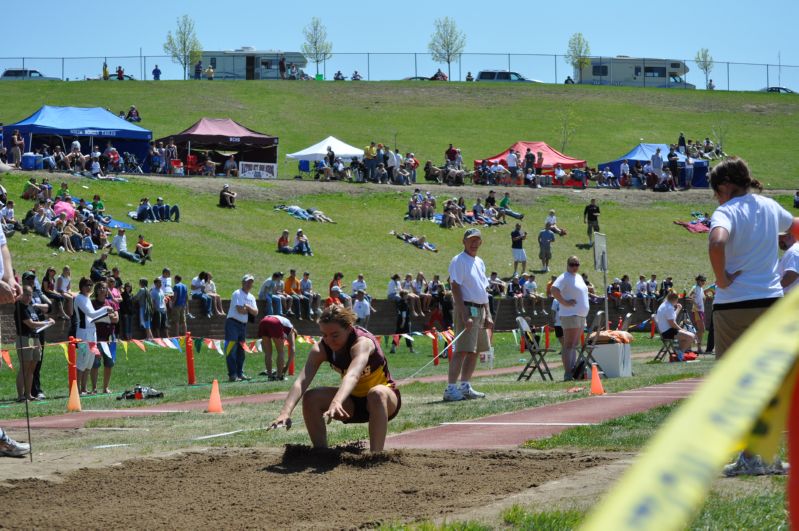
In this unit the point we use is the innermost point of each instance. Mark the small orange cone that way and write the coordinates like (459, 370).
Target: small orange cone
(73, 405)
(215, 402)
(596, 383)
(522, 346)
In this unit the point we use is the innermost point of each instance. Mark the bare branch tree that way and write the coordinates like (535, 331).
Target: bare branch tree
(184, 47)
(316, 46)
(705, 63)
(567, 127)
(577, 54)
(446, 43)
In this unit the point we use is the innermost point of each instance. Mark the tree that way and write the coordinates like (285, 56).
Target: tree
(446, 43)
(567, 127)
(705, 62)
(184, 47)
(577, 54)
(316, 47)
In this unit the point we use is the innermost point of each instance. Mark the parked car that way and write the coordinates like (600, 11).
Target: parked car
(112, 77)
(778, 90)
(17, 74)
(502, 75)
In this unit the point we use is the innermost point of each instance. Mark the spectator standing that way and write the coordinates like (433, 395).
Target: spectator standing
(87, 331)
(517, 238)
(570, 291)
(789, 264)
(242, 307)
(198, 70)
(180, 305)
(105, 334)
(281, 66)
(472, 316)
(698, 309)
(29, 350)
(160, 325)
(591, 218)
(156, 73)
(17, 148)
(545, 239)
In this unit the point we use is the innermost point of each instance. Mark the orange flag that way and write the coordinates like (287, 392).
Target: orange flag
(6, 358)
(138, 344)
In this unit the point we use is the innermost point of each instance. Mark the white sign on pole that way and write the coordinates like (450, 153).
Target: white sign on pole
(600, 252)
(257, 170)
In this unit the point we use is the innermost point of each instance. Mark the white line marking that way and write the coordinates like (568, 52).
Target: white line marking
(118, 429)
(216, 435)
(641, 396)
(128, 411)
(109, 446)
(477, 423)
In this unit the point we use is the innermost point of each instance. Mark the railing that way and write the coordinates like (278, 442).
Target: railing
(548, 68)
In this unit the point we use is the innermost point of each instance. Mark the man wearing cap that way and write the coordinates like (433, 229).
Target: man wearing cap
(467, 274)
(120, 244)
(789, 264)
(242, 306)
(164, 212)
(517, 238)
(227, 197)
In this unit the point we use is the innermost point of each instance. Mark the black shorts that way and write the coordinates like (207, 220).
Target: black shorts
(671, 333)
(361, 413)
(558, 331)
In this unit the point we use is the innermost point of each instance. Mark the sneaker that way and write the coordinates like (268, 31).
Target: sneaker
(778, 468)
(244, 377)
(190, 316)
(745, 466)
(544, 312)
(264, 373)
(469, 393)
(453, 394)
(233, 379)
(11, 448)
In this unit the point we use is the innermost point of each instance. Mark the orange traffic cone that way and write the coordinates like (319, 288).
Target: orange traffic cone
(73, 405)
(215, 402)
(522, 346)
(596, 383)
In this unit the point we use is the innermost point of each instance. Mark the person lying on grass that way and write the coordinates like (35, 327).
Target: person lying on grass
(420, 242)
(366, 394)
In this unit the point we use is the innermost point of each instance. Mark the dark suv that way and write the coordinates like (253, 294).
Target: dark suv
(502, 75)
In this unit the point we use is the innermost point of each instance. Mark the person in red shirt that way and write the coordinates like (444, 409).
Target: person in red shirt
(144, 249)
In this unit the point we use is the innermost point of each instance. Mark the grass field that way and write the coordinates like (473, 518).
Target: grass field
(481, 119)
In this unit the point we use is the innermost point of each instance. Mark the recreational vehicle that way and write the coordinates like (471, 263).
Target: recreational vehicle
(634, 72)
(249, 63)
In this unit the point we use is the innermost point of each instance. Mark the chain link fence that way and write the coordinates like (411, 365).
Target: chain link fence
(547, 68)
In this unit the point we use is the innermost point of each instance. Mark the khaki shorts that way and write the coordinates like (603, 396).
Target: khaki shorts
(729, 325)
(29, 349)
(179, 315)
(476, 338)
(572, 321)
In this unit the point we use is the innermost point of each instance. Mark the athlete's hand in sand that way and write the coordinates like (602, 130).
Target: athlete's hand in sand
(280, 422)
(335, 411)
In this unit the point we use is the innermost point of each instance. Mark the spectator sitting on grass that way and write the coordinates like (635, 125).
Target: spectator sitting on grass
(10, 223)
(551, 223)
(283, 243)
(31, 190)
(144, 249)
(145, 212)
(227, 197)
(120, 244)
(301, 244)
(164, 212)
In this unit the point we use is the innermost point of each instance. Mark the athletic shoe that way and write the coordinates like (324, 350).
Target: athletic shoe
(544, 312)
(469, 393)
(778, 468)
(453, 394)
(745, 466)
(233, 379)
(11, 448)
(264, 373)
(244, 377)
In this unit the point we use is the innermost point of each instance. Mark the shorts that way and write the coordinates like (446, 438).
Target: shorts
(699, 317)
(145, 323)
(29, 348)
(558, 331)
(270, 328)
(572, 321)
(476, 338)
(179, 313)
(519, 255)
(86, 355)
(545, 254)
(593, 226)
(729, 325)
(361, 413)
(671, 333)
(103, 360)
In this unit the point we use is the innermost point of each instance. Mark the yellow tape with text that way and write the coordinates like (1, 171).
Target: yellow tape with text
(743, 399)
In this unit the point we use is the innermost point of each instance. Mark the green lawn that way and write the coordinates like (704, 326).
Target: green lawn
(481, 118)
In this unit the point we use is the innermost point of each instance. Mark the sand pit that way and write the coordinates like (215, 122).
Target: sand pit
(282, 489)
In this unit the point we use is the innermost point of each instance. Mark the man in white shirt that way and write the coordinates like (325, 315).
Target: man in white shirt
(362, 308)
(789, 264)
(666, 321)
(120, 245)
(358, 285)
(471, 315)
(513, 164)
(242, 306)
(166, 282)
(391, 164)
(9, 221)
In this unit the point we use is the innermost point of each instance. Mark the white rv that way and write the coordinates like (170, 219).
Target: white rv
(249, 63)
(634, 72)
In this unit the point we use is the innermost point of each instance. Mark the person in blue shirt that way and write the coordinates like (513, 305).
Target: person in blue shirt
(156, 73)
(180, 294)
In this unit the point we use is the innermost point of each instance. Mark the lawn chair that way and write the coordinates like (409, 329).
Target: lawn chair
(192, 166)
(625, 324)
(304, 168)
(586, 356)
(537, 361)
(668, 347)
(176, 166)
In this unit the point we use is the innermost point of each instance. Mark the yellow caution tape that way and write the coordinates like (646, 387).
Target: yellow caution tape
(746, 393)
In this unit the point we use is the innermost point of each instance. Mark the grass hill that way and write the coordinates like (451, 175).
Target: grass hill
(482, 119)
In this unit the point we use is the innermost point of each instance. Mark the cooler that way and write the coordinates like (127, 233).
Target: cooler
(28, 161)
(615, 359)
(39, 161)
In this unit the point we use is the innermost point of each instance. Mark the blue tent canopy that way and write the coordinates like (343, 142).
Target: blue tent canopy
(644, 152)
(94, 123)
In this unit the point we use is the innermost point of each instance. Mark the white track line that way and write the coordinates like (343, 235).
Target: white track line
(102, 446)
(478, 423)
(129, 411)
(215, 435)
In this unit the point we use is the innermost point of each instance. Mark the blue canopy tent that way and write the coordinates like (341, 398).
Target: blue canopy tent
(91, 125)
(644, 152)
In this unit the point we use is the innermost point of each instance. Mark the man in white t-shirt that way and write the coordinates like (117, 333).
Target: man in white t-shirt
(242, 306)
(362, 308)
(666, 321)
(120, 245)
(789, 264)
(471, 315)
(570, 291)
(513, 164)
(358, 284)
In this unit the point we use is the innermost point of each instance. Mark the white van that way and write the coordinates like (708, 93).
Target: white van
(634, 72)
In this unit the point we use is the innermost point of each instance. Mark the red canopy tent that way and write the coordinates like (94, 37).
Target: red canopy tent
(223, 134)
(551, 156)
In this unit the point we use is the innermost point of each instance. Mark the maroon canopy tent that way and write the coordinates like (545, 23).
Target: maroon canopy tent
(225, 135)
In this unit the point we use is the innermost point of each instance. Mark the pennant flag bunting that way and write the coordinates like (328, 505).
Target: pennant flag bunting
(198, 345)
(125, 348)
(6, 358)
(139, 344)
(65, 348)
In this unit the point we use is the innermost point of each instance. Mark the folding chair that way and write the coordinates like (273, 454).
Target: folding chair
(304, 168)
(192, 166)
(668, 347)
(537, 361)
(586, 355)
(625, 324)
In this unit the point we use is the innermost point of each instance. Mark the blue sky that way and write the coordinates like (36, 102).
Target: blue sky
(737, 31)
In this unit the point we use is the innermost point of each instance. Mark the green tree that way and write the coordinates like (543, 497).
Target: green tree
(316, 46)
(704, 61)
(577, 54)
(184, 47)
(446, 43)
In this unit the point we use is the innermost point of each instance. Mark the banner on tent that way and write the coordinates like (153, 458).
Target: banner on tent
(257, 170)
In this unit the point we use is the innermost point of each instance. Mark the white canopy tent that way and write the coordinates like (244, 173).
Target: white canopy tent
(318, 151)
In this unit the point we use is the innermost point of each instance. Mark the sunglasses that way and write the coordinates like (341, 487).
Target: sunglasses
(573, 264)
